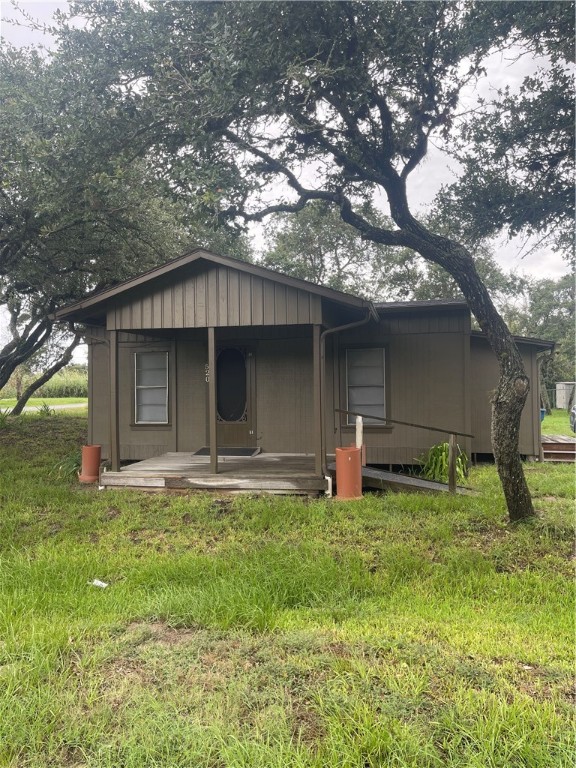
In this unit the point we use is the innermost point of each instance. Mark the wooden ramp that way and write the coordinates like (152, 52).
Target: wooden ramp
(559, 448)
(380, 479)
(290, 474)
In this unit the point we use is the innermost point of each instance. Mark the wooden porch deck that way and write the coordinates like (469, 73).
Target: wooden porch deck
(559, 448)
(277, 473)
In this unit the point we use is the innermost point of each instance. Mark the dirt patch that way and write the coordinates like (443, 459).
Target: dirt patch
(121, 678)
(221, 506)
(307, 726)
(257, 682)
(158, 632)
(534, 680)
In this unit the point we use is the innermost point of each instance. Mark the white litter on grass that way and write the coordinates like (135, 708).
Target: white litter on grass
(98, 583)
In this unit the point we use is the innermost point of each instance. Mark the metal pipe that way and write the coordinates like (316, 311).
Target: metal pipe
(371, 314)
(387, 420)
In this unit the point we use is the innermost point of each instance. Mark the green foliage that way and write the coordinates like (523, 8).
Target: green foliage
(316, 245)
(546, 310)
(69, 466)
(518, 158)
(434, 464)
(70, 382)
(81, 208)
(45, 411)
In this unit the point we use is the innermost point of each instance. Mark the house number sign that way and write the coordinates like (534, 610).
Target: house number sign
(207, 372)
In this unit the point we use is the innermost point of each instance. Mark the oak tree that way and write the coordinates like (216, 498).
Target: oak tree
(258, 108)
(79, 208)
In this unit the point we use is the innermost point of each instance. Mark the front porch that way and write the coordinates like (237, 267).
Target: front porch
(276, 473)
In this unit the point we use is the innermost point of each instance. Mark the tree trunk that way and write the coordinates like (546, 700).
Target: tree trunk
(46, 376)
(514, 385)
(21, 349)
(18, 380)
(510, 396)
(507, 406)
(544, 396)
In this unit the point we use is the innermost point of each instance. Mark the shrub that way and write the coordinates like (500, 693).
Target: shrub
(434, 464)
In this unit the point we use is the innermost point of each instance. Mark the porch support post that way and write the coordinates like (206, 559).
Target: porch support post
(114, 410)
(318, 398)
(212, 419)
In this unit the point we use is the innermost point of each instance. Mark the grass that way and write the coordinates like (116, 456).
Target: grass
(401, 630)
(557, 423)
(10, 402)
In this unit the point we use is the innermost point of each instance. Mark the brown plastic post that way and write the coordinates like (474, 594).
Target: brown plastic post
(348, 473)
(90, 472)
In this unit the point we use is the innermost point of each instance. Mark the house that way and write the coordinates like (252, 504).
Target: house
(207, 351)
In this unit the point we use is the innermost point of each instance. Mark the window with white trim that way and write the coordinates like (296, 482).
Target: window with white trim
(151, 387)
(365, 383)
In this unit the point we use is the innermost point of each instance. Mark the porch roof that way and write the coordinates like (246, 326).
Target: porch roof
(93, 307)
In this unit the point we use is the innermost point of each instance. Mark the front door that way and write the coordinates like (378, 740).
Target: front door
(235, 397)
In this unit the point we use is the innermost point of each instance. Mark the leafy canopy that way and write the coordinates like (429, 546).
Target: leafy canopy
(79, 210)
(517, 149)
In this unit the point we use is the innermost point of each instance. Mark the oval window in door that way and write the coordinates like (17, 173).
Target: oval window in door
(231, 385)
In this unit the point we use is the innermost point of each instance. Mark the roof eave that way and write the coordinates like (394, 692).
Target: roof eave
(528, 340)
(198, 254)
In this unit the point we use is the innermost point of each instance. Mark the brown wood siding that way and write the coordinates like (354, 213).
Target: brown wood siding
(484, 380)
(144, 441)
(285, 398)
(98, 390)
(191, 395)
(217, 297)
(426, 378)
(427, 361)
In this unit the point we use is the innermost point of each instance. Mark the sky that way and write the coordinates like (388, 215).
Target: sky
(434, 171)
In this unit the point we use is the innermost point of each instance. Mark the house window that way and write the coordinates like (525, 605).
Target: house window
(151, 387)
(365, 384)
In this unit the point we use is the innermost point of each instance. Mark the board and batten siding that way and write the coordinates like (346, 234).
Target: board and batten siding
(98, 389)
(136, 441)
(217, 297)
(427, 382)
(285, 396)
(484, 378)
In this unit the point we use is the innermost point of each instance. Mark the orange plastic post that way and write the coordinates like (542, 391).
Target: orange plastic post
(348, 473)
(90, 472)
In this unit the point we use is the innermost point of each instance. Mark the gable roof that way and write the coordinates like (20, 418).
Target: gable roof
(94, 304)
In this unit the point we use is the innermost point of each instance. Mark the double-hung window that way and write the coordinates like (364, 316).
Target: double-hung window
(365, 384)
(151, 387)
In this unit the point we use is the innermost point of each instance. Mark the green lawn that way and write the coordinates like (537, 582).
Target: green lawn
(400, 630)
(557, 423)
(39, 401)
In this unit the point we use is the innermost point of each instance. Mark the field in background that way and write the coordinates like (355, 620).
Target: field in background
(71, 381)
(38, 402)
(400, 630)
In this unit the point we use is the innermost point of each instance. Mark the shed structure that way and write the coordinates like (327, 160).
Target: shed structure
(209, 354)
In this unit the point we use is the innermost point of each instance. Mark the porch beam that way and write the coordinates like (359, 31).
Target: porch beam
(114, 408)
(212, 418)
(318, 398)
